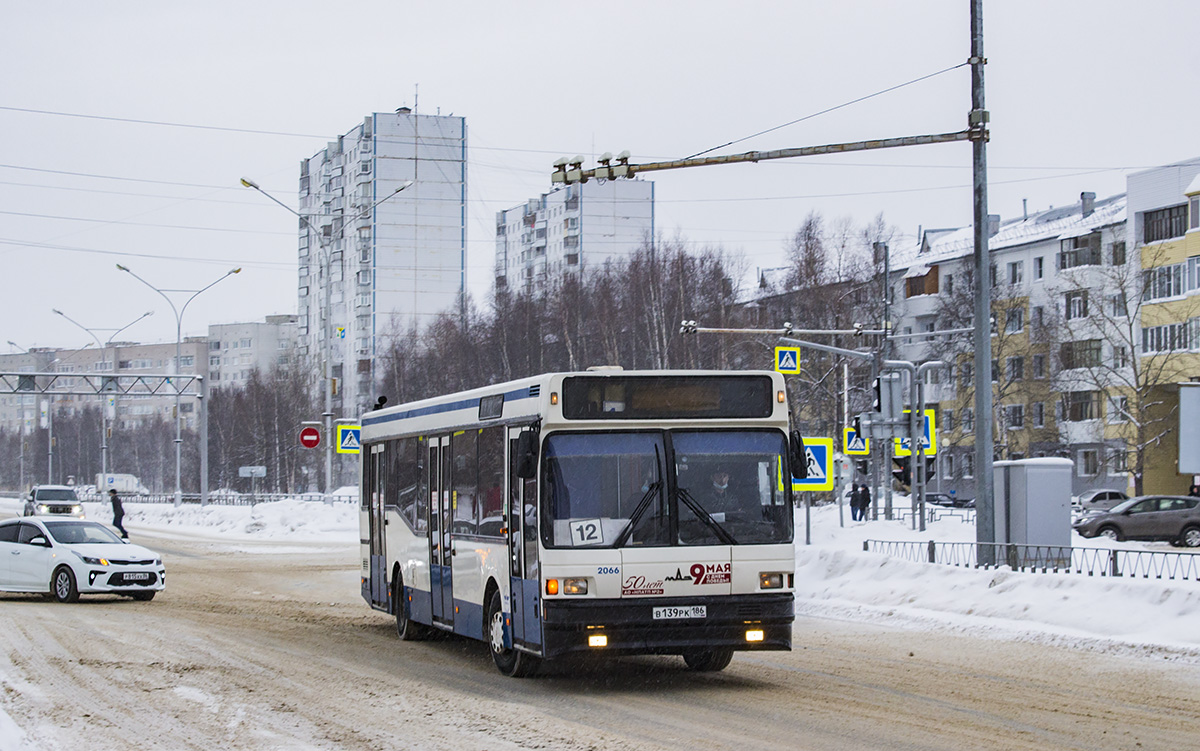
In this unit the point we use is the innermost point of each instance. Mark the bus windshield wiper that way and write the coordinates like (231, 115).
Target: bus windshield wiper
(706, 517)
(637, 514)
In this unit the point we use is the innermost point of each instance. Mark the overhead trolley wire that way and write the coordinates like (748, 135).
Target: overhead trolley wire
(831, 109)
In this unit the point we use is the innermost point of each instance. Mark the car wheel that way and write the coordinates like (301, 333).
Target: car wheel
(405, 628)
(509, 660)
(1111, 533)
(708, 660)
(144, 596)
(62, 585)
(1190, 537)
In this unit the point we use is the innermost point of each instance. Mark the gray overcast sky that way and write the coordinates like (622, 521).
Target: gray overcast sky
(1081, 93)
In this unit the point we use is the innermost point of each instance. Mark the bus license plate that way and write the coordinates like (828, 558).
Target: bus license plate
(672, 613)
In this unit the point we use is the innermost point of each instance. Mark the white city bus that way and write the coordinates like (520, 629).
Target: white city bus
(621, 512)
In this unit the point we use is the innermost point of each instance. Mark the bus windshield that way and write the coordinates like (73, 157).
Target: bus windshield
(664, 488)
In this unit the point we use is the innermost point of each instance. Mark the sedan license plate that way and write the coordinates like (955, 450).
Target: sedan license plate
(673, 613)
(136, 577)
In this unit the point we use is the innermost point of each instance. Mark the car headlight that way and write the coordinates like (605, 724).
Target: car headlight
(91, 561)
(77, 509)
(43, 508)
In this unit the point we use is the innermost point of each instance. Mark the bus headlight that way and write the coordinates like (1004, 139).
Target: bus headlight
(754, 635)
(577, 586)
(598, 640)
(770, 581)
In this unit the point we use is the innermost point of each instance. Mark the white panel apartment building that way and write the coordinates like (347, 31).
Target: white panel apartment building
(1052, 275)
(571, 229)
(391, 262)
(235, 350)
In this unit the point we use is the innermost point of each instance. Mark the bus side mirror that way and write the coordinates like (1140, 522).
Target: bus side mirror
(527, 454)
(798, 456)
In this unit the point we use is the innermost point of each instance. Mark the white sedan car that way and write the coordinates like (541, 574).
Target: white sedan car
(63, 558)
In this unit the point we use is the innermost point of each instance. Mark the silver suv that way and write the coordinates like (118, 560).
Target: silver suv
(53, 500)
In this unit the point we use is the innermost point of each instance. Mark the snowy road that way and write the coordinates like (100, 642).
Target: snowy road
(274, 650)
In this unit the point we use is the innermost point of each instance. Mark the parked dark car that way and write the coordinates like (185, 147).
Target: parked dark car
(1170, 518)
(945, 499)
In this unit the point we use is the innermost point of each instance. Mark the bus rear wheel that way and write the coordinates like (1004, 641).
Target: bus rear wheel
(406, 629)
(509, 660)
(708, 660)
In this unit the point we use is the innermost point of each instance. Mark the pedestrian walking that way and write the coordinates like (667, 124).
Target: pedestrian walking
(118, 511)
(866, 502)
(855, 503)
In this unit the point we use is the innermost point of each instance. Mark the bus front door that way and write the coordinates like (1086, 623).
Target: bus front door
(523, 552)
(440, 579)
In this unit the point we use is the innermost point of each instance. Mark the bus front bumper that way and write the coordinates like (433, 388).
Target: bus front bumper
(628, 626)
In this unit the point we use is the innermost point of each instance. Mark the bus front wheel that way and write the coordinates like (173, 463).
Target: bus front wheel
(708, 660)
(509, 660)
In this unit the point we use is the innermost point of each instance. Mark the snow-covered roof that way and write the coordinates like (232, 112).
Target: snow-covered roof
(1194, 187)
(937, 246)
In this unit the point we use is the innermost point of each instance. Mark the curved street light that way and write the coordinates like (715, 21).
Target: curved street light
(103, 368)
(178, 345)
(327, 315)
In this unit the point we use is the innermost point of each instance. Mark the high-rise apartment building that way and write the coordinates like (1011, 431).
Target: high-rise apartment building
(374, 261)
(571, 229)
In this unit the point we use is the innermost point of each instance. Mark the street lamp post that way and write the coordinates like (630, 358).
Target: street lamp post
(21, 485)
(178, 354)
(103, 369)
(327, 315)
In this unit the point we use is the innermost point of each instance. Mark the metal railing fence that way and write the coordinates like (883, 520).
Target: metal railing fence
(1056, 559)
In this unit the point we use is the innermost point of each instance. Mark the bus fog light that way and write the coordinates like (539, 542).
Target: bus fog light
(552, 586)
(575, 586)
(770, 581)
(598, 640)
(754, 635)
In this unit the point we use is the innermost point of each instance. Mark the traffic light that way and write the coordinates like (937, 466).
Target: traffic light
(903, 470)
(862, 466)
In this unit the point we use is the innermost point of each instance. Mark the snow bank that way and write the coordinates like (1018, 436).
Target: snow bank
(834, 577)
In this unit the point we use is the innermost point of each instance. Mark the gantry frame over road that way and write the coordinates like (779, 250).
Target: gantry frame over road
(132, 384)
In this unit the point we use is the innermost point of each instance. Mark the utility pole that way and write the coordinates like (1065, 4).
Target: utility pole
(985, 524)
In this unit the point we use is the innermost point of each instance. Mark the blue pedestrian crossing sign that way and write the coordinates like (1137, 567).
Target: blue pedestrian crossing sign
(854, 444)
(787, 360)
(348, 439)
(819, 453)
(928, 439)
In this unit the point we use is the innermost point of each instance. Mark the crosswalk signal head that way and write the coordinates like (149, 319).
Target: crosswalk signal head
(903, 470)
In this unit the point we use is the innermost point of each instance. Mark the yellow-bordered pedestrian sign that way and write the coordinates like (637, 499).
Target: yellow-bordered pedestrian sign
(819, 452)
(348, 439)
(787, 360)
(854, 444)
(929, 437)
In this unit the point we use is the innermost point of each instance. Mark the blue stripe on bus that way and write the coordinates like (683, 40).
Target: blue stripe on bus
(434, 409)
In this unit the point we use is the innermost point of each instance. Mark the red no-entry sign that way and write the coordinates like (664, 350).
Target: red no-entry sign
(310, 437)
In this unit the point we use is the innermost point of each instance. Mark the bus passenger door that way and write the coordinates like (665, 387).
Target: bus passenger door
(374, 482)
(522, 552)
(440, 512)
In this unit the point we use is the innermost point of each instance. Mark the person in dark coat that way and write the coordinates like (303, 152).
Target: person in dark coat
(118, 511)
(1194, 491)
(856, 503)
(864, 501)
